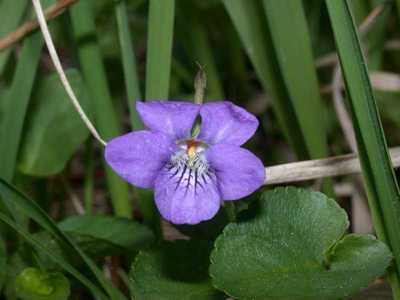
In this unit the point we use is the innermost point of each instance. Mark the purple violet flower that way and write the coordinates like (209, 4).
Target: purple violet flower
(191, 176)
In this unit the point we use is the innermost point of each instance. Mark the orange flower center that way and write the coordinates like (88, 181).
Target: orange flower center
(191, 147)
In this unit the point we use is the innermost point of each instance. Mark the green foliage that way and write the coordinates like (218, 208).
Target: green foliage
(294, 249)
(52, 119)
(295, 58)
(34, 284)
(177, 270)
(248, 21)
(275, 59)
(296, 63)
(15, 265)
(105, 235)
(128, 63)
(14, 114)
(380, 181)
(159, 45)
(29, 208)
(94, 74)
(34, 242)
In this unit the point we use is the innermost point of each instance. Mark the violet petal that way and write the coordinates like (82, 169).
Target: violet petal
(173, 118)
(239, 172)
(139, 156)
(227, 123)
(183, 203)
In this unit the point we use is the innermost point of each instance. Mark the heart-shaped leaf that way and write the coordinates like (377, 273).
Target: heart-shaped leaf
(34, 284)
(294, 249)
(177, 270)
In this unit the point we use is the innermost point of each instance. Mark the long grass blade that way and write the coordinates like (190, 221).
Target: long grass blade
(158, 70)
(286, 19)
(380, 181)
(291, 40)
(105, 116)
(159, 48)
(247, 19)
(16, 104)
(128, 63)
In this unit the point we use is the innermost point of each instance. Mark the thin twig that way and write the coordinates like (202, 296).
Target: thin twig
(392, 45)
(52, 12)
(319, 168)
(371, 18)
(380, 81)
(341, 111)
(76, 202)
(385, 81)
(60, 70)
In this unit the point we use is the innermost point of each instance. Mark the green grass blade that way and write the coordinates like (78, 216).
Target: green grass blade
(95, 77)
(159, 48)
(286, 19)
(128, 63)
(60, 261)
(16, 104)
(247, 19)
(292, 44)
(30, 208)
(158, 70)
(11, 12)
(380, 181)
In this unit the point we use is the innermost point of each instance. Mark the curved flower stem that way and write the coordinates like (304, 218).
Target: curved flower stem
(60, 70)
(92, 67)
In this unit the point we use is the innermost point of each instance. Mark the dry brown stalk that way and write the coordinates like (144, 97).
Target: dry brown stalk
(52, 12)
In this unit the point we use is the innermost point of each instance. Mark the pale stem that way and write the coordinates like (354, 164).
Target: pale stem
(319, 168)
(60, 70)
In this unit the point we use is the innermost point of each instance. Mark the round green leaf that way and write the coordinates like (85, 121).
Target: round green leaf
(34, 284)
(177, 270)
(53, 130)
(293, 249)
